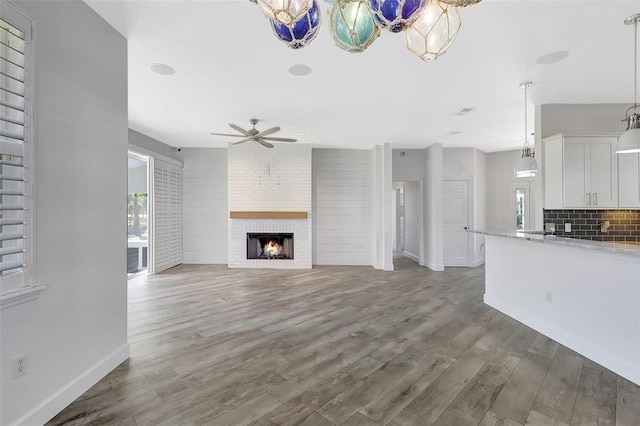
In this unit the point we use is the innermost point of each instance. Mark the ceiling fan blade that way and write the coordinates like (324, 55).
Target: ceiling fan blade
(226, 134)
(268, 131)
(264, 143)
(243, 141)
(280, 139)
(240, 129)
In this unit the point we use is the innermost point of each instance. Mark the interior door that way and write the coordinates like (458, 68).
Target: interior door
(455, 214)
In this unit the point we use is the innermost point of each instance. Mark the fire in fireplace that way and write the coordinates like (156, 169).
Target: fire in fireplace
(269, 246)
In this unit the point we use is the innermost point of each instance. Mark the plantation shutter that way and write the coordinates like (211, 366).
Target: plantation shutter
(167, 223)
(15, 153)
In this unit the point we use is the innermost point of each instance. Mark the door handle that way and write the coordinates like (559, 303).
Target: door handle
(466, 227)
(595, 198)
(588, 198)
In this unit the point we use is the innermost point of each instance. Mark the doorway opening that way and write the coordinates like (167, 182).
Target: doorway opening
(138, 216)
(407, 214)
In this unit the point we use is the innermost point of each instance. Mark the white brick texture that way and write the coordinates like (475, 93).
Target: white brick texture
(276, 179)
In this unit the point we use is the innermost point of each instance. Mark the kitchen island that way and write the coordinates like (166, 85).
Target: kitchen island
(583, 294)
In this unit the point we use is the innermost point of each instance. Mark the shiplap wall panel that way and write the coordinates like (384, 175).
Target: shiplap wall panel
(342, 207)
(204, 205)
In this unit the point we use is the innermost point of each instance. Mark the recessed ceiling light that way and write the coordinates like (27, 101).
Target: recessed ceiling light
(162, 69)
(552, 58)
(300, 70)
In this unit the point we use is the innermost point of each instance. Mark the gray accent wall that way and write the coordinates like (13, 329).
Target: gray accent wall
(76, 331)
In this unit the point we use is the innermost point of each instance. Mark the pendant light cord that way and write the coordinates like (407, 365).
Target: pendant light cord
(635, 66)
(526, 143)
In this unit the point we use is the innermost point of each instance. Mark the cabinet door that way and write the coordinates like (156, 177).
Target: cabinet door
(604, 173)
(629, 180)
(576, 172)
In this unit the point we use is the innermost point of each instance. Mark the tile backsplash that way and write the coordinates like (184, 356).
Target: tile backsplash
(586, 224)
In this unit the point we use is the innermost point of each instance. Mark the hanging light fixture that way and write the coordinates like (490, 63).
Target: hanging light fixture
(434, 31)
(460, 3)
(396, 15)
(353, 26)
(301, 32)
(527, 166)
(629, 142)
(285, 11)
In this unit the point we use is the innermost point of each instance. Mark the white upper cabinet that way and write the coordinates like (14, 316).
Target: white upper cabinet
(629, 180)
(580, 172)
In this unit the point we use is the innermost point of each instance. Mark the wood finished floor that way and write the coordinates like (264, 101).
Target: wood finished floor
(341, 346)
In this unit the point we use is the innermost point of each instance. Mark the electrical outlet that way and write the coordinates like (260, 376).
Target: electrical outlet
(567, 227)
(19, 365)
(549, 296)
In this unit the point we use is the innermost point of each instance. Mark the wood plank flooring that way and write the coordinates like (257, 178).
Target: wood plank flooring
(341, 346)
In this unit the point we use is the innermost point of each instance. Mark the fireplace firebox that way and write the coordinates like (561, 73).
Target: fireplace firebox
(269, 246)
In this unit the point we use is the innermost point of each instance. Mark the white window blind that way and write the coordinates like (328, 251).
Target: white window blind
(167, 216)
(16, 151)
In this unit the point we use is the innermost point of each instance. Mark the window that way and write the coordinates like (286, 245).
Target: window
(16, 154)
(520, 208)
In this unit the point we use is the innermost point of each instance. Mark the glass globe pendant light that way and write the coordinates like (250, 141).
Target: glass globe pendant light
(434, 31)
(527, 166)
(301, 32)
(285, 11)
(629, 142)
(460, 3)
(353, 26)
(396, 15)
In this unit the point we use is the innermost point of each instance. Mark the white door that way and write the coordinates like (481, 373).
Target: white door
(455, 214)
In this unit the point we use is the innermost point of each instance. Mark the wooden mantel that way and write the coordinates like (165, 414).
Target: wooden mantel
(267, 215)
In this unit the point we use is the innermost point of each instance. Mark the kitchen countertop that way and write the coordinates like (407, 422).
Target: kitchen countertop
(626, 248)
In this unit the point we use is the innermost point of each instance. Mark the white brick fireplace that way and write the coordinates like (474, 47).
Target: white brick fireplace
(263, 180)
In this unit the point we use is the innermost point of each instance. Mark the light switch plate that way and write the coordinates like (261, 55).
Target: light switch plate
(567, 227)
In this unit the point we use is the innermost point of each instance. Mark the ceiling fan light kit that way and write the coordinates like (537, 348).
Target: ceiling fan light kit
(431, 25)
(254, 135)
(629, 142)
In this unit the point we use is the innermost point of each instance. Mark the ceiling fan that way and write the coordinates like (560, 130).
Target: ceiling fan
(253, 135)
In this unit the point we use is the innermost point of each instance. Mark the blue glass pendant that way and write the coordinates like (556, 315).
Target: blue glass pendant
(396, 15)
(301, 32)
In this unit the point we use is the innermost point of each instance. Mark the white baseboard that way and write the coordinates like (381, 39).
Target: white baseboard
(51, 406)
(411, 256)
(593, 352)
(476, 263)
(438, 267)
(388, 267)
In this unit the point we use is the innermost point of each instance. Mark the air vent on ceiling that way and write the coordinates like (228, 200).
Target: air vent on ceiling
(455, 132)
(465, 110)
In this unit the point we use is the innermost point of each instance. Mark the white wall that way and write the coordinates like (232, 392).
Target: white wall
(480, 191)
(76, 331)
(204, 205)
(579, 315)
(433, 176)
(582, 119)
(500, 201)
(342, 206)
(408, 164)
(383, 193)
(150, 145)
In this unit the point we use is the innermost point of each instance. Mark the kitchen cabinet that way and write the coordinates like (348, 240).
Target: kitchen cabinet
(629, 180)
(580, 172)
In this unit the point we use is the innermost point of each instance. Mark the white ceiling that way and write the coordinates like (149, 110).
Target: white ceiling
(230, 67)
